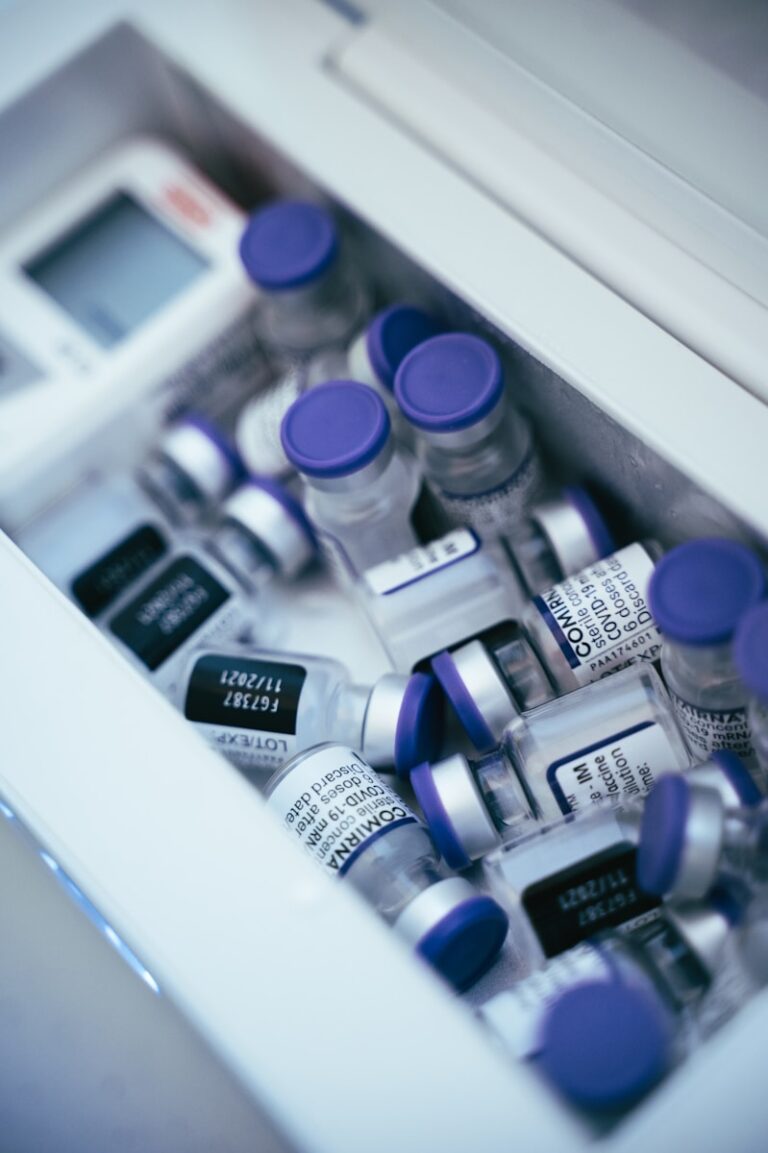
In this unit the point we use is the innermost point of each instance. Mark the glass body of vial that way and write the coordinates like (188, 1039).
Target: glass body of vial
(361, 491)
(750, 657)
(690, 839)
(190, 470)
(372, 358)
(260, 708)
(189, 599)
(354, 826)
(575, 633)
(698, 593)
(98, 542)
(605, 743)
(476, 450)
(437, 595)
(607, 1020)
(311, 294)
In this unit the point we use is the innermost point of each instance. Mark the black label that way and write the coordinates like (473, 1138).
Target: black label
(599, 893)
(245, 694)
(168, 611)
(99, 586)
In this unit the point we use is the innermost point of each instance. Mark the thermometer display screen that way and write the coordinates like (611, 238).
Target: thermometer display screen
(115, 269)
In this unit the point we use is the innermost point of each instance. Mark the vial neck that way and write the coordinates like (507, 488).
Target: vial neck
(532, 558)
(666, 958)
(361, 481)
(520, 668)
(242, 554)
(345, 718)
(395, 869)
(699, 665)
(506, 799)
(744, 851)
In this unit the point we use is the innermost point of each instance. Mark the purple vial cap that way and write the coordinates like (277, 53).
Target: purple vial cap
(449, 382)
(289, 502)
(221, 441)
(465, 943)
(464, 705)
(750, 650)
(604, 1044)
(738, 776)
(662, 834)
(335, 429)
(700, 590)
(392, 334)
(419, 732)
(288, 244)
(440, 824)
(598, 530)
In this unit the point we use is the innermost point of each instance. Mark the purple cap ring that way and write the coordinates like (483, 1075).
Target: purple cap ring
(662, 834)
(335, 429)
(738, 776)
(288, 244)
(464, 704)
(594, 521)
(464, 944)
(604, 1044)
(392, 334)
(440, 825)
(750, 651)
(419, 731)
(449, 382)
(292, 506)
(700, 590)
(217, 438)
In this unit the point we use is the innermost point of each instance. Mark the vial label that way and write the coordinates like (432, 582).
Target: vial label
(600, 618)
(336, 805)
(99, 586)
(706, 730)
(168, 611)
(598, 893)
(250, 705)
(516, 1013)
(392, 575)
(498, 510)
(625, 765)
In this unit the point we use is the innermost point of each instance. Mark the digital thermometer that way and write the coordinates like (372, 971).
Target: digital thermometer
(106, 288)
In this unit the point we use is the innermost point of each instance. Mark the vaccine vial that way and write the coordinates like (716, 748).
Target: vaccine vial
(354, 826)
(311, 294)
(690, 839)
(698, 594)
(750, 657)
(262, 533)
(190, 470)
(565, 882)
(189, 600)
(98, 541)
(260, 708)
(607, 742)
(361, 491)
(476, 450)
(606, 1021)
(371, 358)
(560, 536)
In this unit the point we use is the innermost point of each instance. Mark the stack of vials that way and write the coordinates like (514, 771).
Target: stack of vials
(546, 675)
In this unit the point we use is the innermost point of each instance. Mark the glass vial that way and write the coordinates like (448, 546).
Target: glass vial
(260, 708)
(371, 358)
(361, 491)
(190, 471)
(607, 742)
(476, 450)
(312, 296)
(690, 839)
(353, 825)
(698, 594)
(750, 657)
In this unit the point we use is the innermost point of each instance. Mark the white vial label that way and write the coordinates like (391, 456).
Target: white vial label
(600, 617)
(500, 509)
(335, 804)
(392, 575)
(516, 1013)
(625, 765)
(247, 708)
(709, 729)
